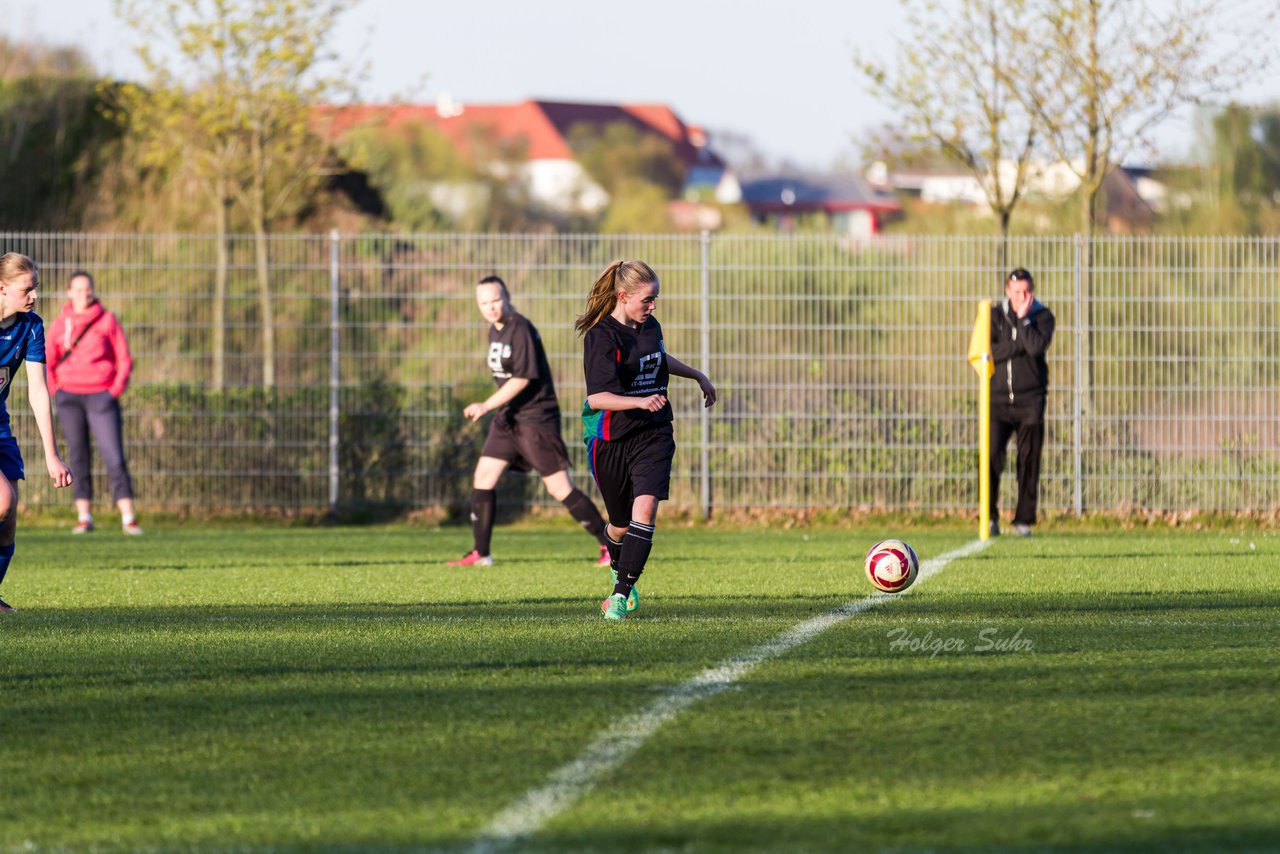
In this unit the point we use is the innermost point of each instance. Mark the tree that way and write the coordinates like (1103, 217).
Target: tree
(637, 207)
(405, 164)
(427, 182)
(640, 172)
(1238, 162)
(741, 152)
(1244, 165)
(277, 46)
(954, 85)
(618, 152)
(56, 142)
(1110, 71)
(236, 107)
(891, 146)
(189, 134)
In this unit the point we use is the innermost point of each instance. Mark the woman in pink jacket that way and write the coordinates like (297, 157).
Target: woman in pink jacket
(89, 366)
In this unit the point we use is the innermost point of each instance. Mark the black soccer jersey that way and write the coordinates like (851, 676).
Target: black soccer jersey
(626, 361)
(516, 351)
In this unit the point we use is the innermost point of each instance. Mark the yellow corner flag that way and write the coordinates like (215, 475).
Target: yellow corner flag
(980, 360)
(980, 342)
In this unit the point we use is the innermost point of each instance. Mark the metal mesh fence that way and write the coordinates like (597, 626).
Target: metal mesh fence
(840, 365)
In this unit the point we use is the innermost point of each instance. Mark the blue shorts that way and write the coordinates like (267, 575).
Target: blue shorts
(11, 459)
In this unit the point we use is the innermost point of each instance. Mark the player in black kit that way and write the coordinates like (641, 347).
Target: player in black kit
(627, 417)
(525, 431)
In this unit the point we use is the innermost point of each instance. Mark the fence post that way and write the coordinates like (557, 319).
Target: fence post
(706, 369)
(1077, 413)
(335, 376)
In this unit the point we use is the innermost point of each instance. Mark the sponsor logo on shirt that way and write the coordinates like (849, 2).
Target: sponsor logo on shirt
(649, 366)
(497, 352)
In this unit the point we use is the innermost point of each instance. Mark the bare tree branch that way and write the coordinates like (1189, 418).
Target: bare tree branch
(952, 83)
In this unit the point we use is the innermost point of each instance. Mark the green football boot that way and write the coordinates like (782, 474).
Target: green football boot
(615, 607)
(633, 598)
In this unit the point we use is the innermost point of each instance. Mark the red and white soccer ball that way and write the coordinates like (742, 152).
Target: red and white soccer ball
(892, 566)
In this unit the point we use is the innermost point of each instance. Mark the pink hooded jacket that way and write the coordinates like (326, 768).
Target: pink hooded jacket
(100, 362)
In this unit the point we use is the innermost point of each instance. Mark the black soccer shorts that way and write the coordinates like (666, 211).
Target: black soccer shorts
(638, 464)
(526, 447)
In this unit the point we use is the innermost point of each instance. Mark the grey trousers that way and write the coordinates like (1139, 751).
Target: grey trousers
(80, 415)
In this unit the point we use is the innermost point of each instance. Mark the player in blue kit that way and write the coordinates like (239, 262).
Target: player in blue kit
(525, 431)
(21, 339)
(627, 417)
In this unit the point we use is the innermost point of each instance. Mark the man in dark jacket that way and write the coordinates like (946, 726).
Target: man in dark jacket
(1021, 331)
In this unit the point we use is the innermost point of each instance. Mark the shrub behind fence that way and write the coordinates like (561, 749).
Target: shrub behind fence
(840, 366)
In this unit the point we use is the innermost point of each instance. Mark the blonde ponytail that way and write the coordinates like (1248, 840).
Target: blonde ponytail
(628, 275)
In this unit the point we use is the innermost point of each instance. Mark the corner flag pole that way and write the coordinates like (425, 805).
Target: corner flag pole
(980, 360)
(984, 452)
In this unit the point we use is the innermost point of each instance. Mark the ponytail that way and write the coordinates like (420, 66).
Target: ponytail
(602, 299)
(629, 275)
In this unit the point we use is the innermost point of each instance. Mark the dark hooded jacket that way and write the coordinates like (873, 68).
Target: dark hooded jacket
(1018, 348)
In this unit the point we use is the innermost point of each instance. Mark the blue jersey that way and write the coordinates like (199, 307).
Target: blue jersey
(23, 341)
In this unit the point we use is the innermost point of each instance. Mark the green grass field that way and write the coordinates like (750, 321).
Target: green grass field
(217, 689)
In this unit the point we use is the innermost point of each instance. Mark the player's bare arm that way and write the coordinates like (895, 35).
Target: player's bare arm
(38, 395)
(608, 401)
(505, 394)
(680, 369)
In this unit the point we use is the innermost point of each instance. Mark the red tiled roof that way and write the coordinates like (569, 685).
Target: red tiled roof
(522, 122)
(542, 126)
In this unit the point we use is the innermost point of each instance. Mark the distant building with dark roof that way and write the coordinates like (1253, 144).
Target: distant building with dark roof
(850, 204)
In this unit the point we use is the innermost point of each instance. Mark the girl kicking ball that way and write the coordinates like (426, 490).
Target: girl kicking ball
(627, 417)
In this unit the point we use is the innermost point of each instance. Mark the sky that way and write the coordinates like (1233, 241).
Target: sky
(781, 73)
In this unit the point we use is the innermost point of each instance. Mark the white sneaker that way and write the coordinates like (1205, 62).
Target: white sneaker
(133, 529)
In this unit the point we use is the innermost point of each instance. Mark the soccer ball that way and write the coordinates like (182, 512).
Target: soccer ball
(892, 566)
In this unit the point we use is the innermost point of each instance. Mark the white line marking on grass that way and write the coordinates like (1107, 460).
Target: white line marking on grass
(570, 782)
